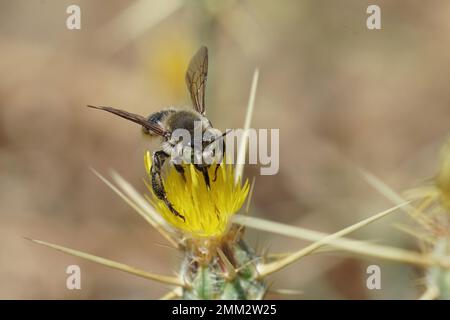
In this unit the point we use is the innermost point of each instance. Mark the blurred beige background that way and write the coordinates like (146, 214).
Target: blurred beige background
(342, 96)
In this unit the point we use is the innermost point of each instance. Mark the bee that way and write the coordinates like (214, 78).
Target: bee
(165, 123)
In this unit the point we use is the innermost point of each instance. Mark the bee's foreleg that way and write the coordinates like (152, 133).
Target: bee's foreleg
(159, 157)
(219, 162)
(215, 172)
(204, 171)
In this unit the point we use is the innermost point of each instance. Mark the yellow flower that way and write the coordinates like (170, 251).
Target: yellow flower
(207, 212)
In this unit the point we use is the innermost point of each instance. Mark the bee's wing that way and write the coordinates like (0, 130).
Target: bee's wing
(151, 126)
(196, 79)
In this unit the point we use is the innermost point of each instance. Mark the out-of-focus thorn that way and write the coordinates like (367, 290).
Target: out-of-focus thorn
(146, 212)
(172, 294)
(415, 233)
(231, 272)
(250, 196)
(113, 264)
(431, 293)
(362, 248)
(287, 292)
(242, 148)
(269, 268)
(394, 197)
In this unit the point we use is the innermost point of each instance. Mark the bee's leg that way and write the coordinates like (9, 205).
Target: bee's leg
(219, 163)
(180, 170)
(206, 177)
(215, 172)
(204, 170)
(157, 183)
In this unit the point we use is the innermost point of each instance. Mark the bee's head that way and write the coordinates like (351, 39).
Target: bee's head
(187, 149)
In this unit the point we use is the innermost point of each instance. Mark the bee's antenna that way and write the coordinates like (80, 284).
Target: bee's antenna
(221, 136)
(224, 134)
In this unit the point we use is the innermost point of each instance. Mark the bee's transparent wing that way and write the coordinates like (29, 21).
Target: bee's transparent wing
(196, 79)
(151, 126)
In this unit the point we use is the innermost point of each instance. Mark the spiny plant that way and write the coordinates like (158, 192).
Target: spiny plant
(217, 262)
(432, 225)
(429, 209)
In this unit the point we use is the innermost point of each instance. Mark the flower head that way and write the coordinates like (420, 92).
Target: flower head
(207, 211)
